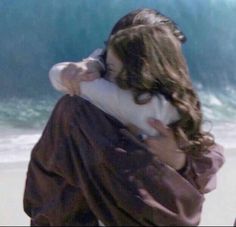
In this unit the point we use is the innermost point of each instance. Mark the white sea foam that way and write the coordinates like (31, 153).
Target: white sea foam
(16, 146)
(225, 134)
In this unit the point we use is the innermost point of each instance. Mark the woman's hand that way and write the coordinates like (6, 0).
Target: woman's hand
(74, 73)
(165, 146)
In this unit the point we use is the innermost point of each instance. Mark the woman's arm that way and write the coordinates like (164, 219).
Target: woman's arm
(200, 170)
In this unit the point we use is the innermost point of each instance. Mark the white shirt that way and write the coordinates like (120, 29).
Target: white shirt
(119, 103)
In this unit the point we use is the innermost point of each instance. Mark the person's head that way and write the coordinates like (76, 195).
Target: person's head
(149, 59)
(147, 17)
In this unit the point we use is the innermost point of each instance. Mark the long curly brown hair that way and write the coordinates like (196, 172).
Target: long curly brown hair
(153, 63)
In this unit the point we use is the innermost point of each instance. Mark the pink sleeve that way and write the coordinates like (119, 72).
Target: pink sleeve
(201, 170)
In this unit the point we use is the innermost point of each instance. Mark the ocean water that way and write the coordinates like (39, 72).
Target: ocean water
(37, 34)
(21, 125)
(219, 109)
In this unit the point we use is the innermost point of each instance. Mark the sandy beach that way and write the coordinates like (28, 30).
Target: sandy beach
(12, 180)
(219, 208)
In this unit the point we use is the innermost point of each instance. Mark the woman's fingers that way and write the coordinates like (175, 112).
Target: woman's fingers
(70, 70)
(89, 76)
(74, 73)
(69, 79)
(70, 89)
(159, 126)
(130, 136)
(151, 142)
(69, 84)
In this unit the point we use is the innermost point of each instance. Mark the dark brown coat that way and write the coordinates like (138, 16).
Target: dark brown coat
(77, 176)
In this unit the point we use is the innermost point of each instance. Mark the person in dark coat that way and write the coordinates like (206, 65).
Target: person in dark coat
(87, 167)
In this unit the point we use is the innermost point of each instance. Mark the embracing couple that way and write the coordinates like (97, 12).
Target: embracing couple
(126, 146)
